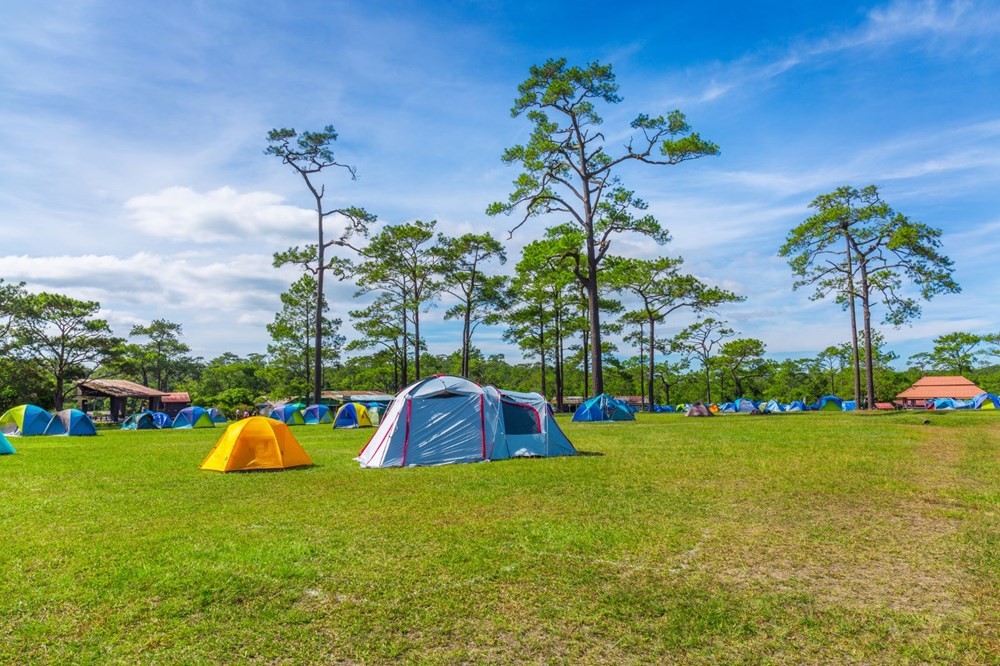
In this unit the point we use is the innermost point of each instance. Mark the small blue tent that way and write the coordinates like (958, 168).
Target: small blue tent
(316, 414)
(848, 405)
(216, 415)
(941, 404)
(141, 421)
(5, 447)
(289, 415)
(24, 421)
(772, 406)
(796, 406)
(162, 419)
(744, 406)
(193, 417)
(71, 422)
(829, 403)
(727, 408)
(603, 408)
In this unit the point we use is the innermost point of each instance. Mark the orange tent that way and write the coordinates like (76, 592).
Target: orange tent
(256, 443)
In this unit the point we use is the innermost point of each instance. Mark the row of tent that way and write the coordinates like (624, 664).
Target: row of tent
(608, 408)
(981, 401)
(747, 406)
(349, 415)
(189, 417)
(32, 420)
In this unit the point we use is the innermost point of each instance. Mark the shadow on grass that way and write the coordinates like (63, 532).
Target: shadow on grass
(586, 454)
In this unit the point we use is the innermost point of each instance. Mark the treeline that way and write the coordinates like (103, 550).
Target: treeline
(48, 341)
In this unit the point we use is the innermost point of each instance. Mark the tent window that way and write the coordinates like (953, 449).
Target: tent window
(520, 419)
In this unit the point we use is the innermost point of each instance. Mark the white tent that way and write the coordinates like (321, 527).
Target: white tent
(444, 419)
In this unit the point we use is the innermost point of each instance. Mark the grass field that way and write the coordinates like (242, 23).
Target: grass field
(810, 538)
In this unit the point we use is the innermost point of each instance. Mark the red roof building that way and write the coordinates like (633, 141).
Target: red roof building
(928, 388)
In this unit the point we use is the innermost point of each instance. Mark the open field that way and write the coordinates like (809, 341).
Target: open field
(792, 539)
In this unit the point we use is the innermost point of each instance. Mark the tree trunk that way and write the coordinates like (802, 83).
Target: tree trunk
(559, 356)
(856, 362)
(869, 357)
(642, 376)
(738, 384)
(652, 364)
(708, 381)
(406, 350)
(416, 341)
(466, 339)
(59, 393)
(586, 346)
(541, 348)
(594, 311)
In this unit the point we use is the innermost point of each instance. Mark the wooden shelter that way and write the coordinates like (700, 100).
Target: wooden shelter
(929, 388)
(118, 391)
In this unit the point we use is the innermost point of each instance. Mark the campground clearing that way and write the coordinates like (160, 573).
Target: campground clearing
(818, 537)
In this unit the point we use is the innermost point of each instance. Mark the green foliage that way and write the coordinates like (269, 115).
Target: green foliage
(568, 171)
(158, 359)
(293, 338)
(64, 339)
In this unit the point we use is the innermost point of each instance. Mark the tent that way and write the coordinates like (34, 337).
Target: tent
(316, 414)
(352, 415)
(772, 406)
(216, 415)
(445, 419)
(71, 422)
(162, 419)
(141, 421)
(287, 415)
(193, 417)
(375, 412)
(24, 421)
(529, 430)
(256, 443)
(744, 406)
(848, 405)
(796, 406)
(727, 408)
(698, 409)
(829, 403)
(941, 404)
(714, 408)
(603, 408)
(5, 447)
(986, 401)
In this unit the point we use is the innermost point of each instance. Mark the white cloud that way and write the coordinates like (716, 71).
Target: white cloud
(221, 215)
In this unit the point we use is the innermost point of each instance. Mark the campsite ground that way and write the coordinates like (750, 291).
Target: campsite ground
(795, 538)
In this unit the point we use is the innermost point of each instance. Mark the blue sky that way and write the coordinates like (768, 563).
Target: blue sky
(131, 139)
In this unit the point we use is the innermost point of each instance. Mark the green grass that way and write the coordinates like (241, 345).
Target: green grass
(811, 538)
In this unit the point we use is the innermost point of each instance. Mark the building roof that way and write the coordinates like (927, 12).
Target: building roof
(115, 388)
(885, 405)
(357, 396)
(927, 388)
(181, 396)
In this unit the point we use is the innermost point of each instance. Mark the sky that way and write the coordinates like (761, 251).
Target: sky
(132, 134)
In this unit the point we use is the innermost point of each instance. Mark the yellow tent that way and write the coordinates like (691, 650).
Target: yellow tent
(256, 443)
